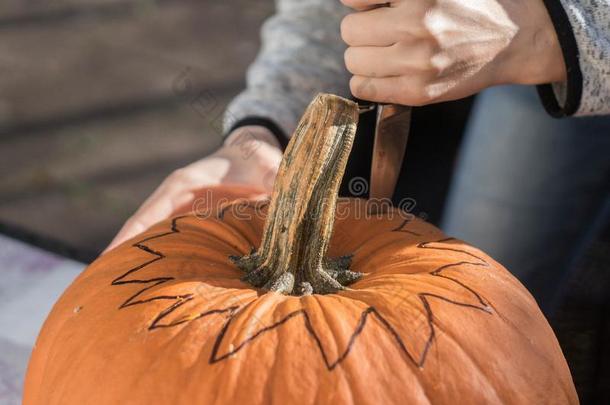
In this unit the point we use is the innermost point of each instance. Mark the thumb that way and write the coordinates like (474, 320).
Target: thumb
(130, 229)
(159, 206)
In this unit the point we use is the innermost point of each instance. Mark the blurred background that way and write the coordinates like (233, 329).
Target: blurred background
(101, 99)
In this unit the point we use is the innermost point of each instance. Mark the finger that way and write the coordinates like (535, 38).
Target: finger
(370, 28)
(406, 90)
(210, 199)
(144, 218)
(383, 61)
(159, 206)
(130, 229)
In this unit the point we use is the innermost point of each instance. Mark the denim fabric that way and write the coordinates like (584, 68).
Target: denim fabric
(530, 190)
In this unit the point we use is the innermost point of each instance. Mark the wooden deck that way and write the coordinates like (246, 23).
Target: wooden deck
(94, 112)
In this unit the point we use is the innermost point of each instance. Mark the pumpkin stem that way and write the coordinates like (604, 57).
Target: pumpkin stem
(299, 224)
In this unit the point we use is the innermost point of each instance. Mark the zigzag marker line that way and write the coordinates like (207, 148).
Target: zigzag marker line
(424, 297)
(330, 365)
(153, 282)
(231, 311)
(401, 228)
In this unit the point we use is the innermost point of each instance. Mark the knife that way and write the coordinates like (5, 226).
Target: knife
(391, 135)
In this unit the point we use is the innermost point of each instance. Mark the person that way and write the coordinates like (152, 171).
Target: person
(424, 52)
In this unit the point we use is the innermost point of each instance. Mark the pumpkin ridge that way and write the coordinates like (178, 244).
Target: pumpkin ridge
(400, 228)
(235, 231)
(248, 204)
(373, 237)
(230, 310)
(484, 304)
(179, 299)
(467, 354)
(330, 365)
(158, 256)
(254, 205)
(424, 296)
(426, 245)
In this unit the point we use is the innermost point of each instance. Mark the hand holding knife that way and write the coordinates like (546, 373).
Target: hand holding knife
(392, 125)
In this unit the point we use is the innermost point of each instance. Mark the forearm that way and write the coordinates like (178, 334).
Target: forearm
(583, 29)
(301, 55)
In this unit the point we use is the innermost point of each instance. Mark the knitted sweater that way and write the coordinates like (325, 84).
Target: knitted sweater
(302, 54)
(583, 28)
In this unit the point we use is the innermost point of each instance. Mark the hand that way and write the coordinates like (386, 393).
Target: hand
(249, 158)
(416, 52)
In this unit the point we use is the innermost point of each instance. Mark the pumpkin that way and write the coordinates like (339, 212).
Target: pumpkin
(303, 299)
(209, 198)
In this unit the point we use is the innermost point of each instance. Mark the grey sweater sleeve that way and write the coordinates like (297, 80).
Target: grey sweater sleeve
(583, 28)
(301, 55)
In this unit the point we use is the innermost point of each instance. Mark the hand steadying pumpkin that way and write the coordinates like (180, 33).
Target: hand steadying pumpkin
(416, 52)
(249, 158)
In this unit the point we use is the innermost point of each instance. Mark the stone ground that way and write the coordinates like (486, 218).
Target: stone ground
(101, 99)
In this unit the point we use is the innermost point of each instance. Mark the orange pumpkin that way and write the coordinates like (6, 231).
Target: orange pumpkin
(208, 198)
(403, 314)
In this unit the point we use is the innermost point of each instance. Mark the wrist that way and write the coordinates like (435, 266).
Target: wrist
(534, 55)
(251, 136)
(254, 146)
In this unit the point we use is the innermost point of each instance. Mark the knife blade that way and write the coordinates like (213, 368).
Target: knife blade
(391, 135)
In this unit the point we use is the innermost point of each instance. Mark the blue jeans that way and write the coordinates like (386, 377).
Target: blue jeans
(530, 190)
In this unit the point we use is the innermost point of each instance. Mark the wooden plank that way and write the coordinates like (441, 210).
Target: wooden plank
(19, 13)
(52, 71)
(26, 14)
(79, 184)
(18, 8)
